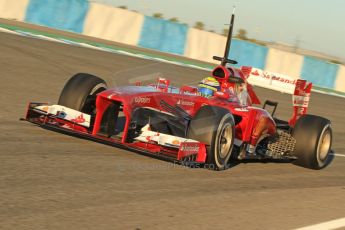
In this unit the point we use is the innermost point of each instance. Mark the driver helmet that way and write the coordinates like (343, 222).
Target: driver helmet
(208, 86)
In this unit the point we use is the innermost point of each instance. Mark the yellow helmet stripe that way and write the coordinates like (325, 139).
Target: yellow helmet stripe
(208, 87)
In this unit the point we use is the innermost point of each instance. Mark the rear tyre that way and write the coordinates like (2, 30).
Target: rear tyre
(313, 136)
(214, 126)
(80, 92)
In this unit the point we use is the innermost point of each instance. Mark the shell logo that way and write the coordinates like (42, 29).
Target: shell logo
(175, 142)
(46, 108)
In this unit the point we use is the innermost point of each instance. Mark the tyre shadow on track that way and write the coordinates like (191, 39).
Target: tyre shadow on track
(232, 164)
(183, 164)
(277, 161)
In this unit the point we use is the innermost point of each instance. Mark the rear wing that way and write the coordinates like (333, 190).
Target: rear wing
(299, 89)
(300, 99)
(275, 81)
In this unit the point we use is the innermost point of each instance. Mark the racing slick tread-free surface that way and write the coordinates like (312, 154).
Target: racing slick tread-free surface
(206, 127)
(307, 132)
(77, 90)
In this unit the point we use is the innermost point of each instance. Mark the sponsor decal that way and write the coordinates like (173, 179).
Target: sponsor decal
(46, 108)
(185, 103)
(142, 100)
(188, 147)
(79, 119)
(61, 114)
(175, 142)
(255, 73)
(241, 109)
(273, 77)
(284, 80)
(112, 94)
(301, 101)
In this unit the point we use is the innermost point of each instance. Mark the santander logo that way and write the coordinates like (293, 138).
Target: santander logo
(185, 103)
(190, 148)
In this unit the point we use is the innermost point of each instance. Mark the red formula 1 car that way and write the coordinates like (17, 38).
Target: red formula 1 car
(180, 124)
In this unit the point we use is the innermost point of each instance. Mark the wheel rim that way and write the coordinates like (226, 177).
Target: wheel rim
(324, 145)
(225, 141)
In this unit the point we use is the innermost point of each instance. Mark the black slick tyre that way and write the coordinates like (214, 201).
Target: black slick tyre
(80, 92)
(214, 126)
(313, 136)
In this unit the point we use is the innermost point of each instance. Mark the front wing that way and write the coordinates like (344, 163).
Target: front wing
(68, 121)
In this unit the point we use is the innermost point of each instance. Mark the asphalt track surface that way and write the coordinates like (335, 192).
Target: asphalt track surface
(53, 181)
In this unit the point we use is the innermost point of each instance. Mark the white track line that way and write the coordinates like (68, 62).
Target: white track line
(338, 155)
(27, 34)
(7, 31)
(333, 224)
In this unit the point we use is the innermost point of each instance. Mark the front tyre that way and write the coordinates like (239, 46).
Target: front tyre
(313, 136)
(223, 143)
(215, 127)
(80, 92)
